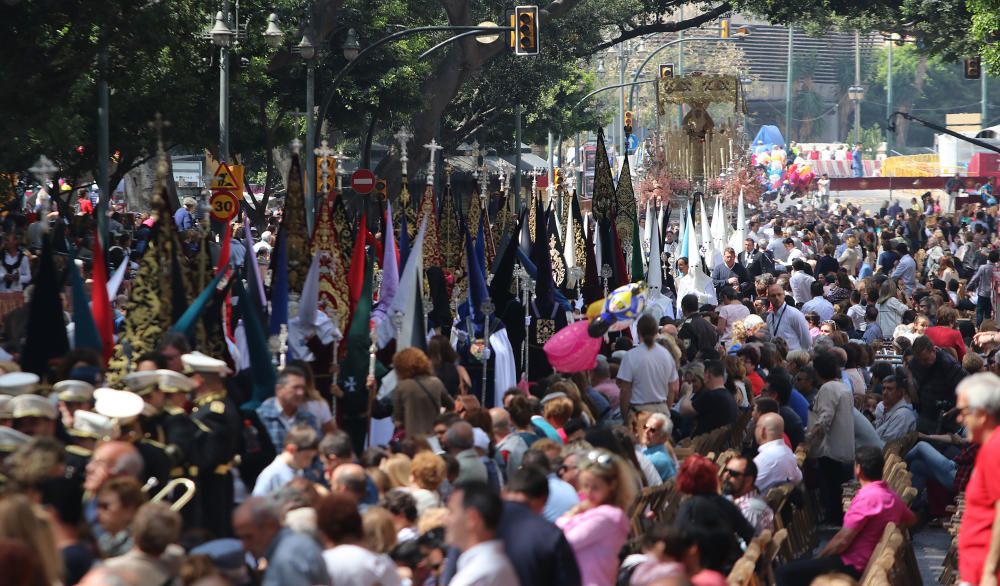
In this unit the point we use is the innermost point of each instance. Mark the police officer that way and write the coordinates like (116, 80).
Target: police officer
(216, 442)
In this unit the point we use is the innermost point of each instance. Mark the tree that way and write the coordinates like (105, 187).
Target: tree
(52, 67)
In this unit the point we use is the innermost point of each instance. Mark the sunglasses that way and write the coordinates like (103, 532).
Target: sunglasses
(734, 473)
(597, 459)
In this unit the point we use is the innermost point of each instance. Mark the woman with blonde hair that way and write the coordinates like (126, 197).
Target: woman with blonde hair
(851, 257)
(22, 522)
(397, 469)
(419, 396)
(580, 406)
(598, 527)
(379, 530)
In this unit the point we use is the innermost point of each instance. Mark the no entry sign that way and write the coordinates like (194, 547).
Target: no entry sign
(363, 181)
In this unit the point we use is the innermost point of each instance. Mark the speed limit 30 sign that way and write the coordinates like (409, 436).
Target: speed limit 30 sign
(224, 206)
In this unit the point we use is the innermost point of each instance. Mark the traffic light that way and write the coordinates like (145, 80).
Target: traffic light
(973, 68)
(526, 30)
(628, 122)
(381, 189)
(724, 28)
(666, 70)
(558, 178)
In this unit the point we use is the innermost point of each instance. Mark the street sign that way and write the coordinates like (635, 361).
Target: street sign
(228, 178)
(224, 206)
(363, 181)
(633, 143)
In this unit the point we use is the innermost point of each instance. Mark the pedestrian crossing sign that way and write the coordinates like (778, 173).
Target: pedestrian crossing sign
(228, 178)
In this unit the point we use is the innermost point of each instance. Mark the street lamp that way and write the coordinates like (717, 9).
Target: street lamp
(222, 37)
(856, 94)
(306, 48)
(351, 45)
(273, 35)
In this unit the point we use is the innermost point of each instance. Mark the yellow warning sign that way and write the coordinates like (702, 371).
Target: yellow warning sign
(228, 178)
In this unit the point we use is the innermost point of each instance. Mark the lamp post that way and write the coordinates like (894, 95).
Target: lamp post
(307, 50)
(856, 93)
(222, 37)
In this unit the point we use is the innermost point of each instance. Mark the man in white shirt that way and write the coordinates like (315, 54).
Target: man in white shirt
(787, 322)
(792, 253)
(473, 517)
(775, 461)
(648, 374)
(800, 282)
(818, 303)
(301, 448)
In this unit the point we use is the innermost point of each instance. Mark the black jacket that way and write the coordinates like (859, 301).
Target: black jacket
(936, 390)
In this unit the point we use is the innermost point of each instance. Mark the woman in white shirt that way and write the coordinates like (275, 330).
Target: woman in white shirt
(890, 308)
(730, 312)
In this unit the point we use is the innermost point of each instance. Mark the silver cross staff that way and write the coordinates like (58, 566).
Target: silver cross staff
(340, 157)
(43, 169)
(487, 308)
(433, 147)
(323, 151)
(402, 137)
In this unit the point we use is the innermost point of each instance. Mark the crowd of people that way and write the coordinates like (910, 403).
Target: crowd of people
(833, 333)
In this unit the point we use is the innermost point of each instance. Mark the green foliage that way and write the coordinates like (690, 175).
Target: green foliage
(944, 90)
(870, 139)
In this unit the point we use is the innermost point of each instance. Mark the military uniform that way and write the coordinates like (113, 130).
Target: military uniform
(217, 439)
(218, 424)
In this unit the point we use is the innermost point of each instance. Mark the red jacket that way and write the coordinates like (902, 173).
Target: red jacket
(947, 338)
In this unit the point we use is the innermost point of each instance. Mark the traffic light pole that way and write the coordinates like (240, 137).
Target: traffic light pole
(517, 158)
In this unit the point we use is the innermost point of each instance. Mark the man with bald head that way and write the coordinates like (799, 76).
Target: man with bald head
(351, 479)
(460, 442)
(511, 446)
(784, 321)
(775, 461)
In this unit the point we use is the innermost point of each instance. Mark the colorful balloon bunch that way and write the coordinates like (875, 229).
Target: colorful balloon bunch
(575, 347)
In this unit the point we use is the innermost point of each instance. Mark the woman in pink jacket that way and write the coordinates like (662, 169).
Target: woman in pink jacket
(598, 527)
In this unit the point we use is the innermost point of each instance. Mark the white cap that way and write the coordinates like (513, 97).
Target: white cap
(73, 391)
(117, 404)
(92, 425)
(167, 381)
(480, 439)
(18, 383)
(33, 406)
(198, 362)
(11, 439)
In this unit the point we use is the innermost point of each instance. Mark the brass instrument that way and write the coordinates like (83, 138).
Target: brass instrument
(189, 490)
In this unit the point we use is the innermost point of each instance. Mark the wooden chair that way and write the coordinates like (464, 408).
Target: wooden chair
(765, 568)
(744, 571)
(880, 548)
